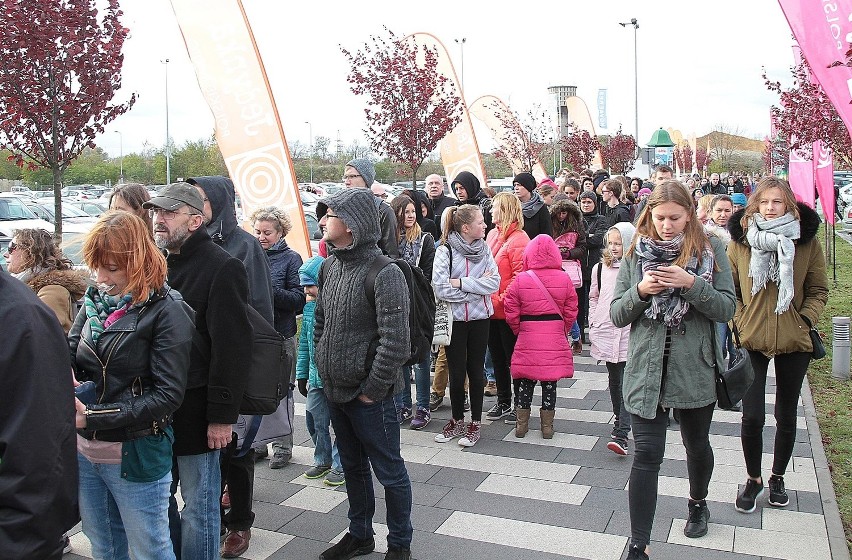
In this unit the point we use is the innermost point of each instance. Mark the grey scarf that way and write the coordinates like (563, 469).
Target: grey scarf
(474, 252)
(668, 306)
(772, 254)
(532, 206)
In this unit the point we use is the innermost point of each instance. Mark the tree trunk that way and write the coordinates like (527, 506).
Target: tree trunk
(57, 205)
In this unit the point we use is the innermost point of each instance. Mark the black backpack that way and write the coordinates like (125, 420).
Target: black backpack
(421, 298)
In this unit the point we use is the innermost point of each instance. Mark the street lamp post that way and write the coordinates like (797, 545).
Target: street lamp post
(461, 42)
(311, 137)
(635, 25)
(168, 147)
(121, 156)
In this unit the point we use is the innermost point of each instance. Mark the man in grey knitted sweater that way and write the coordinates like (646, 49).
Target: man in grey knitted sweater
(359, 352)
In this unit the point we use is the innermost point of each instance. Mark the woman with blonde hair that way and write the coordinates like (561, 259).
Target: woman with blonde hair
(132, 339)
(130, 197)
(465, 275)
(35, 259)
(507, 242)
(704, 207)
(781, 288)
(673, 286)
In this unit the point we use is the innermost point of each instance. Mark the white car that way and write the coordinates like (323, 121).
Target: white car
(14, 215)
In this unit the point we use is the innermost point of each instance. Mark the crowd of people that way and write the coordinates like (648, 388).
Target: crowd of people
(652, 275)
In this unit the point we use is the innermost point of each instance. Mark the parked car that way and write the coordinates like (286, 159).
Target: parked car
(92, 208)
(41, 195)
(74, 220)
(15, 215)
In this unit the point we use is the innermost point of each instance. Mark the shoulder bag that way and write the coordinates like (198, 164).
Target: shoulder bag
(543, 289)
(733, 382)
(443, 334)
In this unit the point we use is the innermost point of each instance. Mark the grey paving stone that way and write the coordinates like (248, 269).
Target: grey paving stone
(599, 457)
(314, 525)
(428, 519)
(285, 474)
(666, 551)
(619, 524)
(601, 478)
(443, 547)
(419, 472)
(458, 478)
(807, 502)
(272, 516)
(273, 491)
(517, 450)
(427, 494)
(523, 509)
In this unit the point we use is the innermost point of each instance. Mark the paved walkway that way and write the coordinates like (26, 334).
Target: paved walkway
(563, 498)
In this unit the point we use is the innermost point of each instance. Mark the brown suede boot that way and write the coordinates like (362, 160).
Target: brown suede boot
(547, 423)
(522, 426)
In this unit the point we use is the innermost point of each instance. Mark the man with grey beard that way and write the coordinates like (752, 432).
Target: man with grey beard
(215, 285)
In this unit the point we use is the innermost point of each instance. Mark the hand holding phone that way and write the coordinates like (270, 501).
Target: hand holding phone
(85, 392)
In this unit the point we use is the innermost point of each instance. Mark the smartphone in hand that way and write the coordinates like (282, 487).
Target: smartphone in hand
(85, 392)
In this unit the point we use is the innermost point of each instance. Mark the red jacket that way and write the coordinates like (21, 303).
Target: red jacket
(542, 352)
(508, 253)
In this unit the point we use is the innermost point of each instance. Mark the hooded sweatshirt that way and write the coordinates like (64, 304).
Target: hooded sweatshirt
(609, 343)
(596, 227)
(239, 243)
(359, 348)
(470, 184)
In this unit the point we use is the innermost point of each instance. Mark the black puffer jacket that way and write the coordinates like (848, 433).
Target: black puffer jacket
(289, 295)
(139, 365)
(596, 227)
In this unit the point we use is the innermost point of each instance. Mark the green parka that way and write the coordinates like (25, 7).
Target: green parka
(690, 379)
(759, 327)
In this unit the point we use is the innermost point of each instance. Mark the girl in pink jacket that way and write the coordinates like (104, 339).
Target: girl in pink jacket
(540, 307)
(609, 343)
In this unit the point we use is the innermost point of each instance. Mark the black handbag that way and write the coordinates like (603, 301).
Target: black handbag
(816, 341)
(733, 382)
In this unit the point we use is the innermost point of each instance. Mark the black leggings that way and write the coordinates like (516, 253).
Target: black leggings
(650, 438)
(501, 342)
(524, 394)
(790, 371)
(466, 359)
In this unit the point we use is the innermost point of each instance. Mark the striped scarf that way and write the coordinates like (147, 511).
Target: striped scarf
(102, 310)
(669, 306)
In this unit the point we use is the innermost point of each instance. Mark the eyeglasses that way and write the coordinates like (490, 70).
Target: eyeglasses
(12, 247)
(332, 216)
(383, 195)
(350, 177)
(167, 215)
(603, 191)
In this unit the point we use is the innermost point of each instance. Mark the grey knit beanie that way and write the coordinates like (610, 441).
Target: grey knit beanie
(365, 169)
(358, 210)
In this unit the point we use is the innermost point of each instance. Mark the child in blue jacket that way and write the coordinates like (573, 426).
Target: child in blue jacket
(317, 417)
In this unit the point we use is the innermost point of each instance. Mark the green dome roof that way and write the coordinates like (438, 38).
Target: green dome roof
(660, 139)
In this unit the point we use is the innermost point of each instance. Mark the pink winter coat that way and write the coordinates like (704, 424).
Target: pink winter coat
(542, 352)
(609, 343)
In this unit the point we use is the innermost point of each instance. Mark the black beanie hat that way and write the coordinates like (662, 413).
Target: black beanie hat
(526, 180)
(589, 194)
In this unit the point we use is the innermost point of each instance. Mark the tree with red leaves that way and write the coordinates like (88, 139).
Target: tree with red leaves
(806, 115)
(411, 106)
(702, 159)
(618, 153)
(525, 142)
(578, 147)
(60, 67)
(683, 157)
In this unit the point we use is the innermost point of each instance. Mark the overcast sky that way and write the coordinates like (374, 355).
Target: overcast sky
(699, 62)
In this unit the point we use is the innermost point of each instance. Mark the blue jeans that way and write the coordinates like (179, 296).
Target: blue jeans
(195, 531)
(368, 434)
(489, 367)
(318, 418)
(726, 340)
(575, 331)
(121, 516)
(422, 384)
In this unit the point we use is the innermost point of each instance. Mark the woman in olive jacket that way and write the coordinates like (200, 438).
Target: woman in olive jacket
(132, 338)
(673, 286)
(782, 288)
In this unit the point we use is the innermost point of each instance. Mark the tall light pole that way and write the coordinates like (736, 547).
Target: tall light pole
(121, 156)
(461, 42)
(311, 136)
(635, 25)
(168, 146)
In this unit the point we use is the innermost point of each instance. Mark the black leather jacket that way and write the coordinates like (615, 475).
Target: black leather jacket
(139, 366)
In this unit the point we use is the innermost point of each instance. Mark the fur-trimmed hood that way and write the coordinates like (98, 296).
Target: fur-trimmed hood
(566, 205)
(808, 219)
(72, 280)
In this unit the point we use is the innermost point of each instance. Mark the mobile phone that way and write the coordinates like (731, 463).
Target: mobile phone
(85, 392)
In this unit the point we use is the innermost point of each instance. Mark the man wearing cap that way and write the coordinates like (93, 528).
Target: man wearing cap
(220, 220)
(536, 213)
(360, 173)
(215, 285)
(359, 349)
